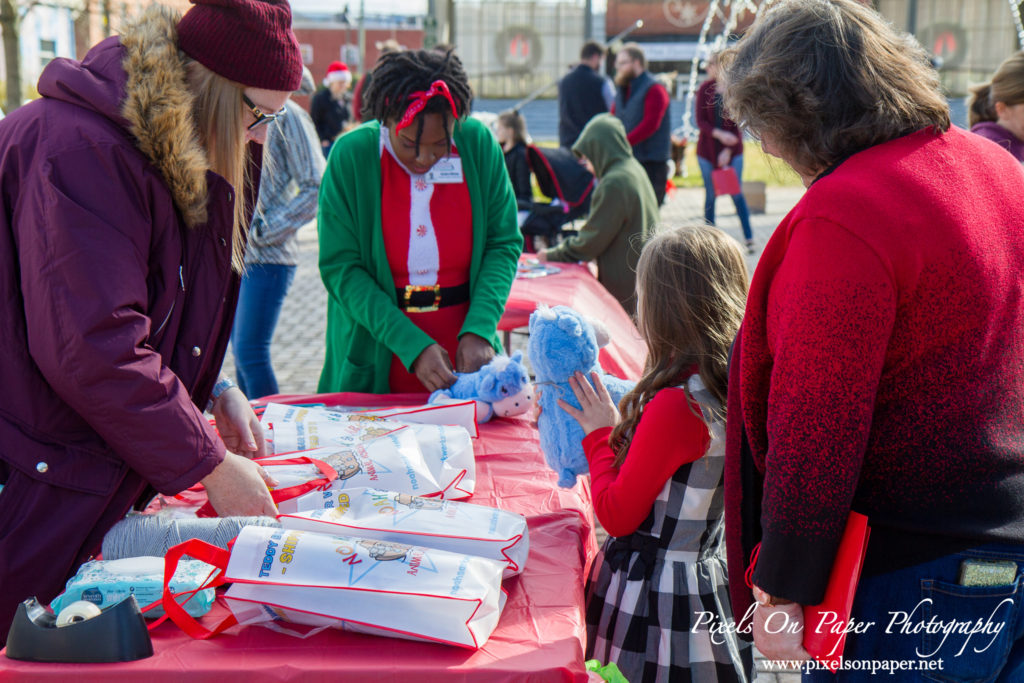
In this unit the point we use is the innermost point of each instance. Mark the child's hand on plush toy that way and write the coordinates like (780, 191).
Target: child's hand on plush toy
(598, 408)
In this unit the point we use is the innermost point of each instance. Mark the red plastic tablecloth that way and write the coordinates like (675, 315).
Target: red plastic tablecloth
(575, 286)
(540, 637)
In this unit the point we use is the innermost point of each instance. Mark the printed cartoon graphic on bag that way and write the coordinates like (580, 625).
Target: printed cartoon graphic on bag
(293, 428)
(394, 462)
(447, 450)
(376, 586)
(389, 516)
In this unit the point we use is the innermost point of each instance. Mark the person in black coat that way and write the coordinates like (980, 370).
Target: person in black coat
(583, 93)
(329, 108)
(511, 132)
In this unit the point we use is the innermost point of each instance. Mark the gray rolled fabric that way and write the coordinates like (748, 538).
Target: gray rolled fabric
(140, 535)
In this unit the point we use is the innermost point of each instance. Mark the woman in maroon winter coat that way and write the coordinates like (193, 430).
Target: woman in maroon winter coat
(880, 364)
(122, 218)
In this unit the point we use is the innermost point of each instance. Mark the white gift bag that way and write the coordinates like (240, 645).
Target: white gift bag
(393, 462)
(296, 474)
(291, 428)
(402, 590)
(452, 412)
(447, 449)
(443, 524)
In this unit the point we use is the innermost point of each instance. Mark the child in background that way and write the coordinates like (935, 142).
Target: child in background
(656, 472)
(510, 130)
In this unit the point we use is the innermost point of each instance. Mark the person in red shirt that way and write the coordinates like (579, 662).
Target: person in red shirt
(656, 472)
(719, 145)
(642, 104)
(880, 366)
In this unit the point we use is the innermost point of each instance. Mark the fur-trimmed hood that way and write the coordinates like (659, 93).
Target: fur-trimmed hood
(138, 80)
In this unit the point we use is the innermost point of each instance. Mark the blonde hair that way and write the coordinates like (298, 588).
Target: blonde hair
(1006, 86)
(825, 79)
(691, 291)
(219, 113)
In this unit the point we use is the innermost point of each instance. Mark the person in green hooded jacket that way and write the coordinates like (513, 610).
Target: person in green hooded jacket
(623, 210)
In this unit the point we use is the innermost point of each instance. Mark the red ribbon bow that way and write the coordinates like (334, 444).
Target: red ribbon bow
(420, 99)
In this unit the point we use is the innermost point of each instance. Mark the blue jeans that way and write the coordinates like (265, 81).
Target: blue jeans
(738, 199)
(904, 603)
(264, 287)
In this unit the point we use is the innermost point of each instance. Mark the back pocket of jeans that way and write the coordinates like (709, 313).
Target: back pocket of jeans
(968, 628)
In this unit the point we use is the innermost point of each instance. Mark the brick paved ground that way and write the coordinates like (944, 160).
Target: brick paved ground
(298, 346)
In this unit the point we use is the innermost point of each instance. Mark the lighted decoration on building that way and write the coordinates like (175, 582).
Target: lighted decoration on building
(518, 48)
(684, 13)
(947, 42)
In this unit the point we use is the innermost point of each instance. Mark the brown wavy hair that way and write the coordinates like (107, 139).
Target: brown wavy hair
(691, 287)
(1006, 86)
(824, 79)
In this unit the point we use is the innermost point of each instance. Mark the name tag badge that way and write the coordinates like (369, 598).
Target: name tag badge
(447, 170)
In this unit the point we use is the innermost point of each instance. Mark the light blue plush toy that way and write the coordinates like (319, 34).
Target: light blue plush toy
(500, 388)
(563, 341)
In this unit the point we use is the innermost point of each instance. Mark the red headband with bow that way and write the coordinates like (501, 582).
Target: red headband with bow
(420, 99)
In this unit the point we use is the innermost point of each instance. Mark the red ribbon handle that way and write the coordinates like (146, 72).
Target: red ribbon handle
(420, 99)
(211, 554)
(327, 475)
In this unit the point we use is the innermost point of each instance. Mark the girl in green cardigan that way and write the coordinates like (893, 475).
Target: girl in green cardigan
(418, 234)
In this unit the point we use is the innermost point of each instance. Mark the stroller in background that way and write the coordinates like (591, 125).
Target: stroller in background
(569, 185)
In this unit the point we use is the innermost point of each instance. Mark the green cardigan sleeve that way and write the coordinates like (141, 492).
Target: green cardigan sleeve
(495, 229)
(352, 246)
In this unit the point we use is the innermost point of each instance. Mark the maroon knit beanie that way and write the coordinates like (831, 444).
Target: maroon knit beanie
(246, 41)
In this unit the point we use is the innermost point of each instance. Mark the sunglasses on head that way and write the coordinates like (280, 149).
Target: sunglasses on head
(262, 118)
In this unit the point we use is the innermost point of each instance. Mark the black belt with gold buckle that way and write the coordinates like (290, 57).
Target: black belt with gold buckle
(427, 298)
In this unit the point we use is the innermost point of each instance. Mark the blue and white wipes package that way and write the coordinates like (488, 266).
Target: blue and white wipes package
(107, 582)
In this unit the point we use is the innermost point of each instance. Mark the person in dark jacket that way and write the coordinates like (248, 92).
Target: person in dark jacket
(641, 102)
(996, 108)
(511, 134)
(583, 93)
(328, 108)
(122, 233)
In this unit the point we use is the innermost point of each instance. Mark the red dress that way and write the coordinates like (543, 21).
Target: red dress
(428, 238)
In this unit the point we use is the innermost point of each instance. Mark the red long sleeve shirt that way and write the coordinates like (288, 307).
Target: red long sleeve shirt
(668, 436)
(655, 107)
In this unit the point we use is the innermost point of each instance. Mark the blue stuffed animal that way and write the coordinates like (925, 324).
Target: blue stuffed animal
(500, 388)
(563, 341)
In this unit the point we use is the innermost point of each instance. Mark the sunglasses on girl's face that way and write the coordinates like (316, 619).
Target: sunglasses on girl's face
(262, 119)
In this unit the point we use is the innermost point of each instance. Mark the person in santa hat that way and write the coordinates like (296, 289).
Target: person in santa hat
(329, 107)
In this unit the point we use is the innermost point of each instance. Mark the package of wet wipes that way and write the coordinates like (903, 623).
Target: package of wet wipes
(400, 518)
(401, 590)
(108, 582)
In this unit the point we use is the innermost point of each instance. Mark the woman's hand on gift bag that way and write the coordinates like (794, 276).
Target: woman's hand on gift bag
(473, 353)
(238, 486)
(238, 425)
(779, 629)
(597, 409)
(433, 368)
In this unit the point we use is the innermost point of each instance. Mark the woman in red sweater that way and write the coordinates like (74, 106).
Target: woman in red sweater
(657, 602)
(880, 366)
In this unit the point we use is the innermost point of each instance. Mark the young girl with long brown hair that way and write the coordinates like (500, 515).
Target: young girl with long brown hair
(657, 598)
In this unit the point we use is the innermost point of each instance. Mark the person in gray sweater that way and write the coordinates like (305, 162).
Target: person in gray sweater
(293, 166)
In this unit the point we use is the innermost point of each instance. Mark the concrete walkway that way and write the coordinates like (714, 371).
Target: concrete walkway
(297, 350)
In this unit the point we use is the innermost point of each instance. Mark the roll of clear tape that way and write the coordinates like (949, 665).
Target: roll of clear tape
(76, 612)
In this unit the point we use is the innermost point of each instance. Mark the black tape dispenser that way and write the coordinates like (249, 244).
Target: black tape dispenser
(116, 634)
